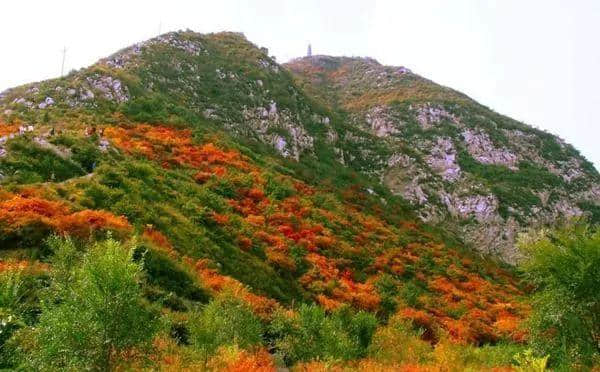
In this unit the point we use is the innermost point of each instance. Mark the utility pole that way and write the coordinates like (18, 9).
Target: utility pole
(62, 68)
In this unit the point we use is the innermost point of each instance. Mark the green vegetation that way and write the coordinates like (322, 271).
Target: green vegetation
(93, 310)
(565, 267)
(225, 321)
(314, 335)
(30, 163)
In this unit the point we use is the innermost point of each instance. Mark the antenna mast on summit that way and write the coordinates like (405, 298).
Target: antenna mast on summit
(62, 67)
(159, 27)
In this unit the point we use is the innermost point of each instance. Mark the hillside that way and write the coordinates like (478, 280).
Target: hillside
(479, 173)
(328, 197)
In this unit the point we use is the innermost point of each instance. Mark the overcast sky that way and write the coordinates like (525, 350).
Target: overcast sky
(537, 61)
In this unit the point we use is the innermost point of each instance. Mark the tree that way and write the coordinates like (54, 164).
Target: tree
(94, 309)
(225, 321)
(564, 265)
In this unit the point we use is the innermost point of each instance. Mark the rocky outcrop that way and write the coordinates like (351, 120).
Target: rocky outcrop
(483, 150)
(429, 115)
(442, 159)
(275, 127)
(380, 122)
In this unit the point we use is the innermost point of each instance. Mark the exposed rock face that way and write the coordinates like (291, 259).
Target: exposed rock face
(482, 207)
(429, 115)
(481, 149)
(111, 89)
(380, 123)
(277, 128)
(442, 159)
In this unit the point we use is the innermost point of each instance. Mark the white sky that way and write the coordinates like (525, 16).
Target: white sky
(537, 61)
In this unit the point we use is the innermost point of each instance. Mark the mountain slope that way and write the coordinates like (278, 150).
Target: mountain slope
(236, 177)
(482, 174)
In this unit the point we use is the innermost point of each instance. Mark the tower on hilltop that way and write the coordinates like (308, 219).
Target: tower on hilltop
(309, 51)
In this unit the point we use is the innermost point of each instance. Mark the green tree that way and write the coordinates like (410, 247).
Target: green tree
(225, 321)
(313, 334)
(94, 309)
(564, 265)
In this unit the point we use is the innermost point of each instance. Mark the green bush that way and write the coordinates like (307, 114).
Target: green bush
(387, 287)
(313, 334)
(565, 267)
(27, 162)
(410, 293)
(164, 273)
(12, 293)
(224, 321)
(94, 309)
(147, 109)
(279, 188)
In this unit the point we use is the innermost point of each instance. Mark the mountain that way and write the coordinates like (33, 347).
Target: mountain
(479, 173)
(331, 181)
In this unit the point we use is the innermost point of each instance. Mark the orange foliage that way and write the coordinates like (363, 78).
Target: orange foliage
(174, 146)
(255, 220)
(202, 177)
(238, 360)
(159, 240)
(361, 295)
(6, 129)
(17, 212)
(83, 223)
(280, 258)
(30, 267)
(245, 243)
(221, 219)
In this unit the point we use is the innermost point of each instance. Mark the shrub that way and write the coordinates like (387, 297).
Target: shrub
(387, 287)
(27, 162)
(225, 321)
(312, 334)
(565, 267)
(94, 312)
(165, 273)
(410, 293)
(12, 291)
(280, 188)
(147, 109)
(527, 362)
(398, 343)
